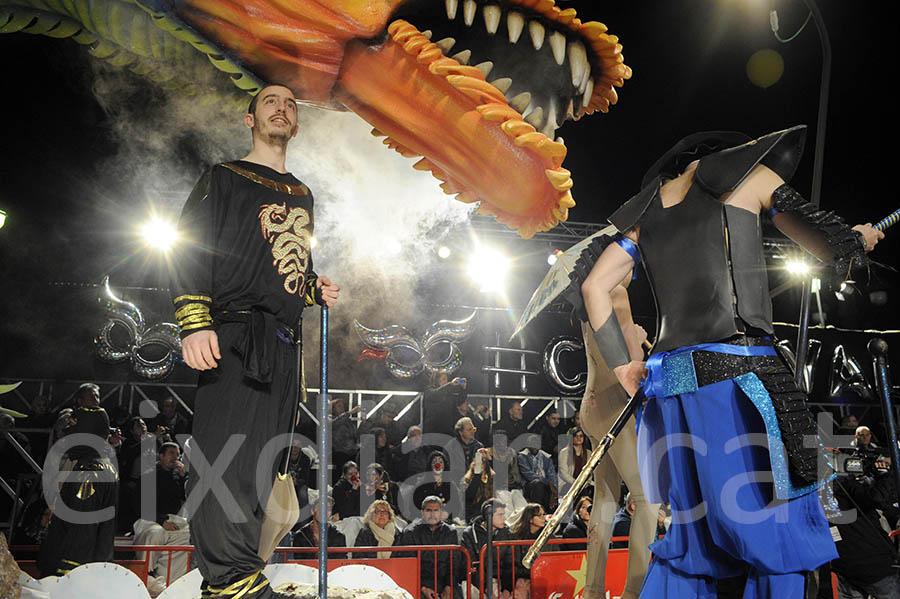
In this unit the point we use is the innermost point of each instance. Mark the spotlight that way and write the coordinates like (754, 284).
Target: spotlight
(444, 252)
(2, 218)
(313, 242)
(797, 267)
(551, 259)
(159, 234)
(488, 268)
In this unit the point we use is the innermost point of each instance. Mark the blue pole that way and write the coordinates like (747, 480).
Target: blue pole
(324, 458)
(878, 348)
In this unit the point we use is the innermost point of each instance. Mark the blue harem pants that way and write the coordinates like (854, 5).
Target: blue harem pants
(707, 453)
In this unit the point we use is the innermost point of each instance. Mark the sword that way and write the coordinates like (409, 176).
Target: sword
(586, 472)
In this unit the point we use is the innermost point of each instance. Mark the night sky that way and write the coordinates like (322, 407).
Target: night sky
(65, 155)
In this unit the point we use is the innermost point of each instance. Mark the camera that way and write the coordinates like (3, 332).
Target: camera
(857, 461)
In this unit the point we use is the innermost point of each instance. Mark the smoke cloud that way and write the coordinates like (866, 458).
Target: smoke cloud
(377, 220)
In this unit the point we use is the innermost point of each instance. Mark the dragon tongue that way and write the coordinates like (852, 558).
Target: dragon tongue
(432, 106)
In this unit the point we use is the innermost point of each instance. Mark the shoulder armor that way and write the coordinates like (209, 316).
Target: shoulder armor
(630, 213)
(780, 151)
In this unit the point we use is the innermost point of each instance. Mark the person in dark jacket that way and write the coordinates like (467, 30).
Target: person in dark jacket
(865, 566)
(435, 483)
(346, 491)
(379, 529)
(308, 535)
(578, 526)
(528, 526)
(380, 486)
(474, 537)
(437, 577)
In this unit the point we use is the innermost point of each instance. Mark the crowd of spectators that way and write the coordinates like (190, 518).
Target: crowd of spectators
(442, 482)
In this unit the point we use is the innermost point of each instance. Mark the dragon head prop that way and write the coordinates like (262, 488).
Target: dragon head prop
(477, 88)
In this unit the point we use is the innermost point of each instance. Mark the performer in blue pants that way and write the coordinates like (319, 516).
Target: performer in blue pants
(726, 436)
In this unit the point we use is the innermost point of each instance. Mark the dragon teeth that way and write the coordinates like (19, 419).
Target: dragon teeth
(451, 6)
(485, 67)
(462, 57)
(492, 16)
(588, 92)
(558, 45)
(537, 34)
(427, 34)
(578, 63)
(446, 44)
(521, 101)
(535, 118)
(469, 8)
(502, 84)
(515, 22)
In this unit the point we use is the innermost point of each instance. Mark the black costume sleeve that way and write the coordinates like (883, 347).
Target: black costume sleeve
(824, 234)
(193, 269)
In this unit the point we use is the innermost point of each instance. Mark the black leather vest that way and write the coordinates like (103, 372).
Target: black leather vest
(705, 259)
(706, 268)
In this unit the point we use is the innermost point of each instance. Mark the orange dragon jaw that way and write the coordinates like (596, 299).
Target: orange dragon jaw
(477, 89)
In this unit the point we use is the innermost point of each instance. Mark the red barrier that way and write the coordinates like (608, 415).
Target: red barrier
(394, 565)
(404, 571)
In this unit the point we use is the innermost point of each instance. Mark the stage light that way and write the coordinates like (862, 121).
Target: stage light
(816, 285)
(443, 252)
(551, 259)
(159, 234)
(488, 268)
(2, 218)
(313, 242)
(797, 267)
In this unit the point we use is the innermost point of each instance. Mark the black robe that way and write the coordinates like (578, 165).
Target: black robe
(246, 273)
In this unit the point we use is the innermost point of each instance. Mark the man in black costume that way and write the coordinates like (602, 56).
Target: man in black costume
(82, 528)
(239, 288)
(743, 510)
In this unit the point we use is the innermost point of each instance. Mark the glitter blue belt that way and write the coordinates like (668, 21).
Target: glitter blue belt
(672, 372)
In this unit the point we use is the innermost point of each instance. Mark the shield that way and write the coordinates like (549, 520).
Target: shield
(557, 279)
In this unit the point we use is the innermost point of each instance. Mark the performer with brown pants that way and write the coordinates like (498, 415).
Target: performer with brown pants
(604, 398)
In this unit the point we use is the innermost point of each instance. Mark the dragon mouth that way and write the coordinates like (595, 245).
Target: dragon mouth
(477, 88)
(504, 77)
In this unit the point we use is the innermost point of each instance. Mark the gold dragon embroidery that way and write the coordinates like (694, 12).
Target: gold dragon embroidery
(290, 240)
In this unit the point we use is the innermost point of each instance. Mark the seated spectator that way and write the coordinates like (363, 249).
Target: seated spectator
(512, 422)
(848, 425)
(506, 462)
(864, 438)
(169, 422)
(435, 574)
(572, 459)
(435, 485)
(412, 457)
(346, 492)
(527, 526)
(300, 468)
(474, 537)
(478, 484)
(464, 443)
(168, 527)
(622, 523)
(379, 486)
(549, 431)
(538, 473)
(382, 450)
(578, 525)
(379, 529)
(308, 535)
(384, 419)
